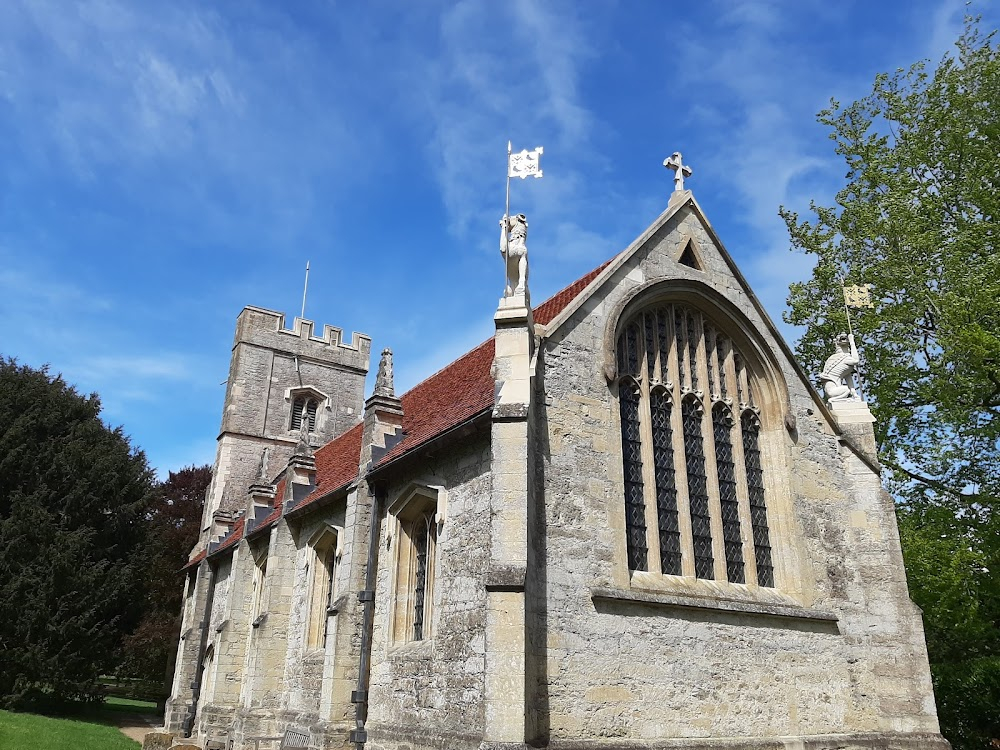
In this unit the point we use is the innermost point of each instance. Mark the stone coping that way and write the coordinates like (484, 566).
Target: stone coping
(681, 601)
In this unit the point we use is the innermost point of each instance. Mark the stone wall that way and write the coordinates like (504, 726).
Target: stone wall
(269, 363)
(307, 665)
(836, 647)
(430, 692)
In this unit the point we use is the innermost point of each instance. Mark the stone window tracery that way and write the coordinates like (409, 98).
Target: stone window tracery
(695, 501)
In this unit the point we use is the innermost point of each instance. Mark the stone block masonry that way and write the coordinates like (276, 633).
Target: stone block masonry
(487, 593)
(270, 367)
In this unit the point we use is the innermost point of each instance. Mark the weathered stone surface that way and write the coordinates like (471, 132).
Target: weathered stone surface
(268, 363)
(157, 740)
(721, 676)
(536, 630)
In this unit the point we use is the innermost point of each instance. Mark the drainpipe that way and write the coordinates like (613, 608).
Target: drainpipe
(203, 644)
(360, 696)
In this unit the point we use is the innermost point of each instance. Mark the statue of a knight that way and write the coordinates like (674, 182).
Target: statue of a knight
(838, 371)
(514, 249)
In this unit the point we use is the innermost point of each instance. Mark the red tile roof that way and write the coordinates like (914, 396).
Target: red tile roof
(336, 465)
(555, 304)
(234, 536)
(194, 560)
(445, 400)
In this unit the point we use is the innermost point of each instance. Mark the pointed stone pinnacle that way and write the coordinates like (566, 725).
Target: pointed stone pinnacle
(383, 382)
(262, 477)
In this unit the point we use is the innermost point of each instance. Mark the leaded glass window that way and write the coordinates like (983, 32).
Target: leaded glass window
(722, 422)
(694, 486)
(416, 548)
(697, 482)
(666, 485)
(322, 588)
(635, 506)
(758, 508)
(422, 538)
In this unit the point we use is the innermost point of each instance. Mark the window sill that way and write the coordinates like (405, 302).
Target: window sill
(412, 650)
(314, 656)
(749, 604)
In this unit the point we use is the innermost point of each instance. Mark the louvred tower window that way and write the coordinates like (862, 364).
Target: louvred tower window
(695, 501)
(304, 408)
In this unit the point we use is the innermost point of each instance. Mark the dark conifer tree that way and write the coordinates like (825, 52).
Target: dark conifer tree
(73, 498)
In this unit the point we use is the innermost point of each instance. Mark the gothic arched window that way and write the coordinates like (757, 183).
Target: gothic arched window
(323, 589)
(416, 520)
(695, 496)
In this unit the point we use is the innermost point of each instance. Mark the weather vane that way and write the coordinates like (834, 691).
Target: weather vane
(514, 230)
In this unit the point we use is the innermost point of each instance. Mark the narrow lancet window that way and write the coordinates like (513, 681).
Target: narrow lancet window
(423, 542)
(635, 507)
(732, 538)
(758, 509)
(666, 490)
(697, 481)
(418, 517)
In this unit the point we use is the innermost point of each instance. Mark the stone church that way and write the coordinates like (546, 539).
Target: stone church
(627, 520)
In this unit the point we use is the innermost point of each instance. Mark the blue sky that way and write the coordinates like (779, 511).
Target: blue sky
(164, 164)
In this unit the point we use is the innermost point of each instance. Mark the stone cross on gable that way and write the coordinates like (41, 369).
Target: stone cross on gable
(680, 170)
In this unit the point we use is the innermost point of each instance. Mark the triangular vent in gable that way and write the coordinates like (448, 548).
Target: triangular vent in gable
(689, 255)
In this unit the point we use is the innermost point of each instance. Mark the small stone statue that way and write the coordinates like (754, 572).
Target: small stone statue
(262, 477)
(838, 372)
(302, 448)
(513, 238)
(383, 382)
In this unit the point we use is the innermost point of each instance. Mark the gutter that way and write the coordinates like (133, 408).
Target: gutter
(359, 697)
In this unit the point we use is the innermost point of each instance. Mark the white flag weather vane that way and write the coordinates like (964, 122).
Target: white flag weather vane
(524, 163)
(858, 296)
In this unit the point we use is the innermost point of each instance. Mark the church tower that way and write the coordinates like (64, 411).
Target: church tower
(281, 381)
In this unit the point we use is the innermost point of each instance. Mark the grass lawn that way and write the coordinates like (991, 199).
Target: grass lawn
(33, 732)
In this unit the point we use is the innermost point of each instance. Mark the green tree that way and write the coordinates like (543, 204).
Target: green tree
(73, 494)
(173, 522)
(917, 221)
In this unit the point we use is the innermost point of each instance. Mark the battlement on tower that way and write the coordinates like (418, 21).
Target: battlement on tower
(257, 326)
(281, 380)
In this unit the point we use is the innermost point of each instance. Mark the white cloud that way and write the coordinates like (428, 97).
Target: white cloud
(764, 95)
(944, 27)
(504, 72)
